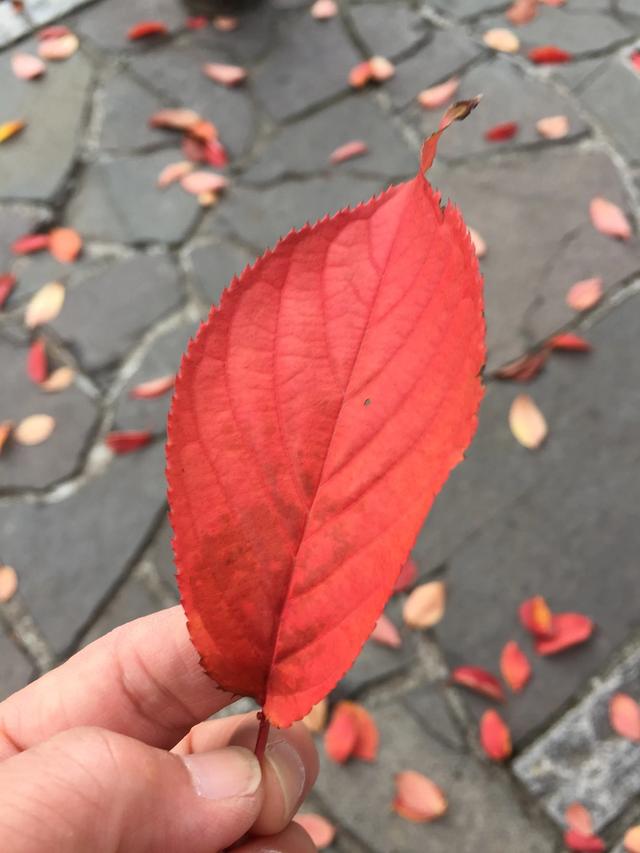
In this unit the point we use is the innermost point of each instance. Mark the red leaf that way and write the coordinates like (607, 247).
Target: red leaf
(145, 29)
(343, 372)
(495, 736)
(366, 746)
(525, 368)
(569, 342)
(583, 843)
(478, 680)
(635, 59)
(7, 283)
(624, 715)
(196, 22)
(55, 31)
(536, 617)
(514, 666)
(30, 243)
(37, 362)
(385, 633)
(577, 817)
(153, 387)
(341, 735)
(215, 154)
(502, 132)
(549, 54)
(418, 799)
(65, 244)
(127, 441)
(407, 577)
(569, 629)
(355, 148)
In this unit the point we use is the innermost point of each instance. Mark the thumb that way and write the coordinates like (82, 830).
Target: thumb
(92, 789)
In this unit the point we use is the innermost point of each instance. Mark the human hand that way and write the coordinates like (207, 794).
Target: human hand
(107, 753)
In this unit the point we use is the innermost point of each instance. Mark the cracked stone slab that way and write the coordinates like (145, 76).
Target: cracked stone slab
(428, 706)
(13, 25)
(118, 201)
(306, 146)
(105, 315)
(69, 554)
(125, 106)
(582, 759)
(107, 23)
(461, 9)
(309, 63)
(213, 266)
(388, 30)
(560, 522)
(484, 813)
(74, 413)
(43, 11)
(35, 163)
(508, 94)
(130, 602)
(15, 668)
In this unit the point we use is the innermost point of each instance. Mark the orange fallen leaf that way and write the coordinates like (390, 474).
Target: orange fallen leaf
(30, 243)
(495, 736)
(418, 798)
(58, 380)
(65, 244)
(360, 75)
(173, 172)
(8, 583)
(515, 666)
(225, 23)
(355, 148)
(609, 219)
(425, 605)
(175, 118)
(569, 629)
(203, 130)
(8, 129)
(549, 54)
(569, 342)
(385, 633)
(632, 840)
(553, 127)
(341, 735)
(5, 432)
(368, 738)
(479, 244)
(226, 75)
(525, 368)
(7, 283)
(407, 577)
(58, 49)
(502, 40)
(624, 716)
(320, 830)
(479, 680)
(145, 29)
(536, 617)
(153, 387)
(37, 362)
(44, 305)
(580, 843)
(502, 132)
(578, 818)
(128, 441)
(34, 430)
(25, 66)
(522, 11)
(527, 422)
(585, 294)
(437, 96)
(316, 719)
(203, 182)
(324, 9)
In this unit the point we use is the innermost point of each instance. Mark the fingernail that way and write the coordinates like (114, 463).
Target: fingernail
(289, 771)
(224, 773)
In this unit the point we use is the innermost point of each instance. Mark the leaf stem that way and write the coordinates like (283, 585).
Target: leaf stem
(263, 734)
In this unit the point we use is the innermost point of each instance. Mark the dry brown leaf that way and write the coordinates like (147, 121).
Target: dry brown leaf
(45, 305)
(324, 9)
(226, 75)
(25, 66)
(425, 606)
(316, 719)
(527, 422)
(59, 380)
(34, 430)
(632, 840)
(418, 799)
(553, 127)
(320, 830)
(173, 172)
(585, 294)
(11, 128)
(609, 219)
(624, 716)
(478, 242)
(8, 583)
(58, 49)
(5, 432)
(502, 39)
(437, 96)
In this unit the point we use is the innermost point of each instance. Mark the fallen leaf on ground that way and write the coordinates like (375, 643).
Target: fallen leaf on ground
(549, 54)
(418, 798)
(569, 629)
(207, 199)
(624, 716)
(522, 11)
(320, 830)
(44, 305)
(7, 283)
(438, 96)
(25, 66)
(502, 132)
(226, 75)
(360, 75)
(58, 380)
(368, 739)
(225, 23)
(407, 577)
(5, 432)
(215, 154)
(635, 59)
(479, 245)
(173, 172)
(128, 441)
(632, 840)
(55, 31)
(553, 3)
(9, 129)
(609, 219)
(502, 39)
(324, 9)
(580, 843)
(34, 430)
(381, 68)
(65, 244)
(196, 22)
(425, 605)
(525, 368)
(30, 243)
(569, 342)
(553, 127)
(584, 295)
(316, 719)
(204, 130)
(203, 182)
(175, 118)
(577, 817)
(58, 49)
(145, 29)
(355, 148)
(536, 617)
(385, 633)
(479, 680)
(527, 422)
(495, 736)
(153, 387)
(341, 735)
(8, 583)
(37, 362)
(515, 666)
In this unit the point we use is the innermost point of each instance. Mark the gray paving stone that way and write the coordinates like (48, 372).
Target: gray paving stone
(446, 53)
(461, 9)
(428, 706)
(118, 200)
(12, 24)
(560, 522)
(483, 814)
(309, 64)
(107, 23)
(253, 37)
(575, 75)
(70, 554)
(305, 147)
(131, 601)
(35, 163)
(105, 315)
(75, 415)
(617, 116)
(214, 265)
(388, 29)
(125, 106)
(32, 271)
(508, 94)
(582, 759)
(15, 669)
(14, 222)
(43, 11)
(161, 556)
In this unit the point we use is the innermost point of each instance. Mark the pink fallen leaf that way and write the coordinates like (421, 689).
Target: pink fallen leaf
(58, 49)
(320, 830)
(153, 387)
(322, 10)
(527, 423)
(381, 68)
(609, 219)
(45, 305)
(128, 441)
(8, 583)
(34, 430)
(502, 40)
(624, 716)
(407, 577)
(577, 817)
(418, 798)
(355, 148)
(568, 630)
(360, 75)
(585, 294)
(226, 75)
(632, 840)
(385, 633)
(25, 66)
(553, 127)
(635, 59)
(30, 243)
(425, 605)
(7, 283)
(438, 96)
(479, 680)
(479, 244)
(495, 737)
(515, 666)
(58, 380)
(173, 172)
(203, 182)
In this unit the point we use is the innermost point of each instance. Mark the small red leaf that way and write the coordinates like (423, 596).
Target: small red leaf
(407, 577)
(320, 830)
(65, 244)
(377, 68)
(478, 680)
(368, 739)
(583, 843)
(624, 716)
(417, 798)
(525, 368)
(30, 243)
(495, 736)
(578, 818)
(25, 66)
(7, 283)
(37, 362)
(549, 54)
(355, 148)
(502, 132)
(514, 666)
(522, 11)
(536, 617)
(341, 735)
(145, 29)
(153, 387)
(196, 22)
(609, 219)
(215, 154)
(569, 342)
(569, 629)
(127, 441)
(635, 59)
(226, 75)
(385, 633)
(584, 295)
(360, 75)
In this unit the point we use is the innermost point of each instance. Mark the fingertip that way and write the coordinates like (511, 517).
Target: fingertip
(292, 840)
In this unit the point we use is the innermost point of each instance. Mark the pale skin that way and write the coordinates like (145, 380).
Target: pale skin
(108, 753)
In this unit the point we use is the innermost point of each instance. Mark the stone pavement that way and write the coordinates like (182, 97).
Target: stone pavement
(86, 531)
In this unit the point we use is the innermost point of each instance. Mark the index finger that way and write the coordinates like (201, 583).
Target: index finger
(144, 680)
